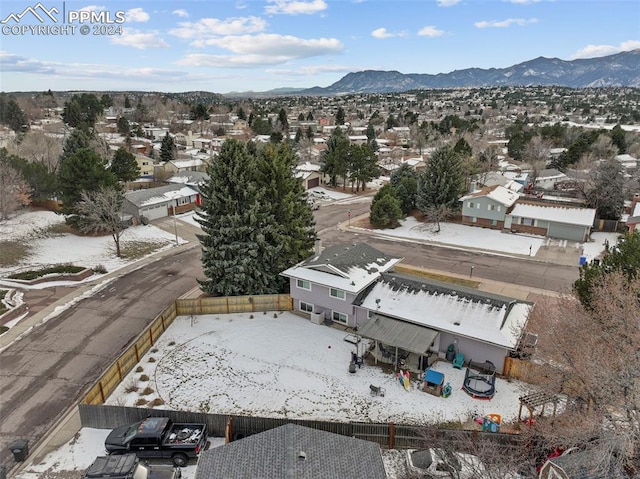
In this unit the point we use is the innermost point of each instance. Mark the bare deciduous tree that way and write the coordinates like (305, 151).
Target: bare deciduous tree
(101, 212)
(37, 146)
(593, 357)
(14, 191)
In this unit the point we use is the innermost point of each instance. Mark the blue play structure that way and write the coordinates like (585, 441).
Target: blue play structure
(433, 382)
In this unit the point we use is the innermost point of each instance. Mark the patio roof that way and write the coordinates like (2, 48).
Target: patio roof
(408, 336)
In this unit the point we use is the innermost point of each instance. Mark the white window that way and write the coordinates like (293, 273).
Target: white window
(302, 284)
(491, 207)
(339, 317)
(473, 219)
(306, 307)
(526, 221)
(370, 314)
(498, 207)
(493, 222)
(337, 293)
(470, 204)
(477, 205)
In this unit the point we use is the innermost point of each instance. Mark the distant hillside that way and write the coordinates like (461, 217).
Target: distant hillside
(621, 69)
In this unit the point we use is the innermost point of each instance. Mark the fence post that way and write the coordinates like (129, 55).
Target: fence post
(392, 435)
(151, 334)
(137, 353)
(119, 371)
(101, 393)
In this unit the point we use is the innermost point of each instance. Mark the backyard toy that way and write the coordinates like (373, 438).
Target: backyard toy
(446, 390)
(491, 422)
(480, 379)
(433, 382)
(404, 378)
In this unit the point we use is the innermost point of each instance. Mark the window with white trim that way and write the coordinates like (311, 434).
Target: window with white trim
(370, 314)
(471, 204)
(493, 222)
(339, 317)
(473, 219)
(337, 293)
(526, 221)
(302, 284)
(491, 207)
(306, 307)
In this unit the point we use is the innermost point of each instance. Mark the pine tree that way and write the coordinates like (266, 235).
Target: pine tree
(334, 159)
(167, 148)
(385, 208)
(293, 223)
(405, 181)
(124, 165)
(442, 181)
(607, 193)
(237, 255)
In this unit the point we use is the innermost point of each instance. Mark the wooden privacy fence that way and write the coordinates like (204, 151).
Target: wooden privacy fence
(131, 356)
(234, 304)
(392, 436)
(181, 307)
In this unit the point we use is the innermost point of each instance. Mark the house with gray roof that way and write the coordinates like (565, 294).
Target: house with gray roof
(293, 452)
(552, 220)
(324, 286)
(579, 465)
(416, 319)
(154, 203)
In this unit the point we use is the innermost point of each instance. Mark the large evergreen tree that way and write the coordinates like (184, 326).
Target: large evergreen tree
(442, 182)
(82, 111)
(385, 208)
(124, 165)
(334, 158)
(11, 114)
(238, 256)
(285, 199)
(405, 181)
(167, 148)
(84, 170)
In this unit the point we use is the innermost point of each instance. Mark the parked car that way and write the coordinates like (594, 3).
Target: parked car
(436, 462)
(313, 203)
(159, 437)
(318, 194)
(128, 466)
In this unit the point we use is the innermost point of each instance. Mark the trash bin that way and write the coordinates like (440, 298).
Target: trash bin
(583, 260)
(20, 449)
(451, 353)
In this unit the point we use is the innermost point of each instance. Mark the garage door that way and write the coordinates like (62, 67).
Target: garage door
(154, 212)
(313, 183)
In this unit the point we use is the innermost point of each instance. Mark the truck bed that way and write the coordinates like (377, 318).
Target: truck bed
(184, 434)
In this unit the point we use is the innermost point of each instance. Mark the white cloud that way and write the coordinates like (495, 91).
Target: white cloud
(383, 33)
(430, 31)
(10, 62)
(137, 15)
(181, 12)
(263, 49)
(295, 7)
(505, 23)
(447, 3)
(210, 27)
(591, 51)
(139, 40)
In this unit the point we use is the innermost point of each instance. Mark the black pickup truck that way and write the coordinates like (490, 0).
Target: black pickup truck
(128, 466)
(159, 438)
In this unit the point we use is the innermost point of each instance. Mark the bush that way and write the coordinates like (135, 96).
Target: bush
(141, 402)
(144, 377)
(146, 391)
(59, 269)
(139, 369)
(152, 359)
(156, 402)
(100, 269)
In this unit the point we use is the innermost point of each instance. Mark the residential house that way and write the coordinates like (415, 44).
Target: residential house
(293, 452)
(146, 166)
(417, 320)
(628, 162)
(155, 133)
(579, 465)
(554, 221)
(324, 286)
(192, 179)
(633, 221)
(547, 179)
(488, 206)
(176, 166)
(155, 203)
(309, 173)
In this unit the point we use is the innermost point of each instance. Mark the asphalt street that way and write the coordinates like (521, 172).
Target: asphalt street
(45, 372)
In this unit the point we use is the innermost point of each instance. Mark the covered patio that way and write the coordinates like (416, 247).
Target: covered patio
(399, 343)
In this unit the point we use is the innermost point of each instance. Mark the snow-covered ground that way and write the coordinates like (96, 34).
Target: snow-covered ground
(277, 365)
(49, 248)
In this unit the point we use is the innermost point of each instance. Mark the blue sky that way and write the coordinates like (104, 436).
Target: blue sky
(224, 46)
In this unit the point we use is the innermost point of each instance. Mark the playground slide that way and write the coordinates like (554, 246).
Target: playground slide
(405, 379)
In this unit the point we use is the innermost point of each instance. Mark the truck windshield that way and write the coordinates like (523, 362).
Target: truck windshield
(131, 432)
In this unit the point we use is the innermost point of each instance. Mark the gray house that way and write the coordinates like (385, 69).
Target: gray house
(420, 318)
(293, 452)
(154, 203)
(554, 221)
(487, 206)
(324, 286)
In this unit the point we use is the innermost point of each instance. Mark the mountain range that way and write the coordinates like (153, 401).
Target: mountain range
(620, 69)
